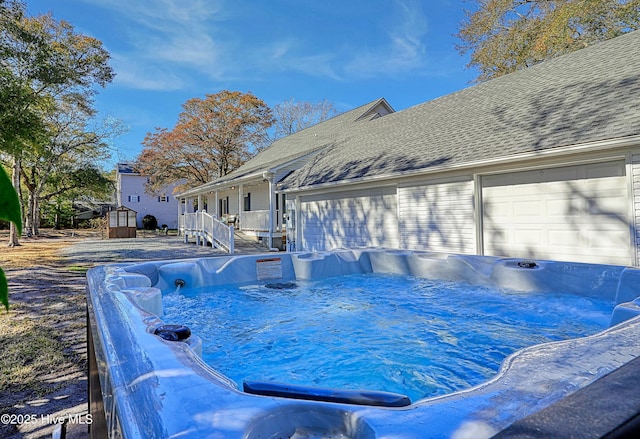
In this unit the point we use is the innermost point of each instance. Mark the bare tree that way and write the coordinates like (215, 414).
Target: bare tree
(292, 116)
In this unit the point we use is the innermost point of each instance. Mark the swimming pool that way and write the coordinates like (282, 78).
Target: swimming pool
(413, 336)
(183, 395)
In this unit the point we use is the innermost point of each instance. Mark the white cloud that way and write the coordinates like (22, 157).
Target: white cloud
(404, 50)
(398, 49)
(144, 76)
(164, 38)
(169, 40)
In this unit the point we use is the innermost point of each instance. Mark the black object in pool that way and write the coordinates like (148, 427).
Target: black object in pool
(360, 397)
(173, 332)
(282, 286)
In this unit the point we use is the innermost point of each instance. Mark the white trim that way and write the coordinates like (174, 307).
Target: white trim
(210, 187)
(341, 188)
(628, 169)
(478, 213)
(635, 235)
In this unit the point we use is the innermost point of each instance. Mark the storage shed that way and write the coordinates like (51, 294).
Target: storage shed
(121, 223)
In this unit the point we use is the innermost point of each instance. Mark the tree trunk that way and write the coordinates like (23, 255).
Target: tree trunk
(36, 216)
(15, 178)
(32, 215)
(29, 223)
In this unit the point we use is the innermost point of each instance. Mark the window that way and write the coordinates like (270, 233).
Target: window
(247, 202)
(223, 206)
(163, 198)
(134, 198)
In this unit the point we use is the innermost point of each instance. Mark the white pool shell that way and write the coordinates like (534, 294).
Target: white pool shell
(151, 387)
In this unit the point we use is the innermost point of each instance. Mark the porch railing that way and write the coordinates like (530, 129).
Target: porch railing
(257, 220)
(207, 228)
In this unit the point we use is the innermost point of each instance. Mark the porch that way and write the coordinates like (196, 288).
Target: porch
(220, 232)
(255, 223)
(207, 229)
(251, 206)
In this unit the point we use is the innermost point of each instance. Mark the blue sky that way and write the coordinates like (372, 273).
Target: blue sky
(349, 52)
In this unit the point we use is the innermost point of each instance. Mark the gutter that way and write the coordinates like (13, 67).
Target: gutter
(601, 145)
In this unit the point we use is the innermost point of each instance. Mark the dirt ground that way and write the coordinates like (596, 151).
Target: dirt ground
(43, 359)
(43, 355)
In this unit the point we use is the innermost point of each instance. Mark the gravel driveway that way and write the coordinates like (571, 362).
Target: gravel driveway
(153, 247)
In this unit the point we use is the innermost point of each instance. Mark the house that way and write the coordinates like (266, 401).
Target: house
(542, 163)
(131, 193)
(248, 197)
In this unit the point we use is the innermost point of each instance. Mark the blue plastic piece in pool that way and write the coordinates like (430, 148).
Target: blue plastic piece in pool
(359, 397)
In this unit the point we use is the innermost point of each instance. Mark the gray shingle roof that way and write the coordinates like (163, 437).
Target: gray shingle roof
(589, 95)
(126, 168)
(303, 142)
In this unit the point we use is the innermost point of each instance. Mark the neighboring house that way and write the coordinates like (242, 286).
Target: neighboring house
(131, 193)
(542, 163)
(89, 209)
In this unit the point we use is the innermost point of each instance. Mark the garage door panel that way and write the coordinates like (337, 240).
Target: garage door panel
(578, 213)
(613, 239)
(527, 237)
(526, 208)
(498, 209)
(558, 207)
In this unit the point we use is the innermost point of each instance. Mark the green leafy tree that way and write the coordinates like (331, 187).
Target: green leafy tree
(503, 36)
(19, 119)
(67, 186)
(72, 150)
(9, 210)
(43, 62)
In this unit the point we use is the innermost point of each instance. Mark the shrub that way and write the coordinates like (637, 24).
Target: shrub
(149, 222)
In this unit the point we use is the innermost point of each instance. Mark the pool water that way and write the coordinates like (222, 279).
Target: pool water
(408, 335)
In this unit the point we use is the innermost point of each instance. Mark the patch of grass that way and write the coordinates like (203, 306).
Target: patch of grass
(77, 268)
(43, 249)
(32, 253)
(28, 352)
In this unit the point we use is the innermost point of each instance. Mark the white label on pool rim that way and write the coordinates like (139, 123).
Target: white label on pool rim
(269, 268)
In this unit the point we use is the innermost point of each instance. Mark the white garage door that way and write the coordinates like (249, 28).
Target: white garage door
(365, 218)
(573, 213)
(437, 217)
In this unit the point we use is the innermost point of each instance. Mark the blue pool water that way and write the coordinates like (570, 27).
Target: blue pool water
(408, 335)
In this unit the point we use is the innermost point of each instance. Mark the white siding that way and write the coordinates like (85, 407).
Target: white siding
(132, 194)
(259, 195)
(214, 208)
(572, 213)
(635, 169)
(437, 217)
(349, 219)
